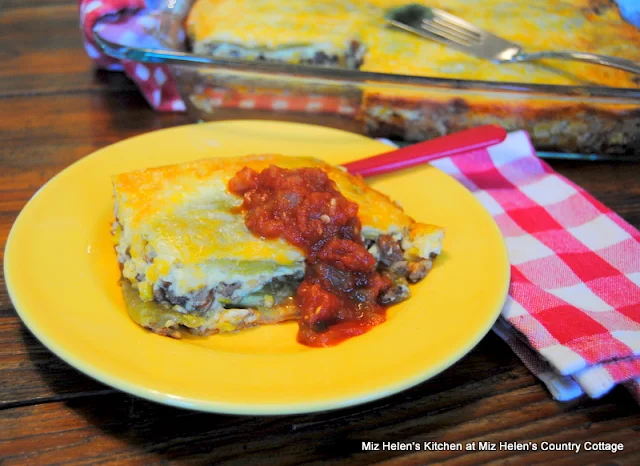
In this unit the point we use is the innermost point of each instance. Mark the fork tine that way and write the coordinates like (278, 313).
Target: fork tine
(449, 33)
(452, 31)
(455, 21)
(456, 27)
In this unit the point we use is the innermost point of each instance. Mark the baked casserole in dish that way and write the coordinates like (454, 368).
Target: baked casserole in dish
(361, 74)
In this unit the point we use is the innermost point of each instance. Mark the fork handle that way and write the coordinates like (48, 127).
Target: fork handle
(467, 140)
(604, 60)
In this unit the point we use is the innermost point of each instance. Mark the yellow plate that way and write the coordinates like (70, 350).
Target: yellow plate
(62, 275)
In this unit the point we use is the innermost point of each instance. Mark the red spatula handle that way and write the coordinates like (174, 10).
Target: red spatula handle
(423, 152)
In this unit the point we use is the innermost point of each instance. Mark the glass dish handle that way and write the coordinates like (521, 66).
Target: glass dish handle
(175, 7)
(604, 60)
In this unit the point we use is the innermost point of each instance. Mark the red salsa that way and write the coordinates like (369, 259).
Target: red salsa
(338, 297)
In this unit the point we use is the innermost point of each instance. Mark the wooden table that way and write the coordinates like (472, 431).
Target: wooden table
(54, 110)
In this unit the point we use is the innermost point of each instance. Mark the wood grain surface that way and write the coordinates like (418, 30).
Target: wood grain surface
(55, 109)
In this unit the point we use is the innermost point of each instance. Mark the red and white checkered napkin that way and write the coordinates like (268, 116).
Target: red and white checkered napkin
(132, 24)
(573, 311)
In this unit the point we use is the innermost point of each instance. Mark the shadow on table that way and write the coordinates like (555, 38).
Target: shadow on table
(456, 399)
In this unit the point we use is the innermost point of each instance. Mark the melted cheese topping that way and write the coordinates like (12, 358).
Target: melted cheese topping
(179, 224)
(537, 26)
(189, 212)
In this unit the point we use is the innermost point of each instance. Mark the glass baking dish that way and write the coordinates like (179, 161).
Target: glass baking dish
(563, 121)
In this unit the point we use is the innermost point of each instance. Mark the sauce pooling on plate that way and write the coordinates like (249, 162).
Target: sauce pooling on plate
(338, 297)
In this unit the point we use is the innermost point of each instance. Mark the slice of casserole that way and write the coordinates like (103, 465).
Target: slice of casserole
(188, 259)
(320, 33)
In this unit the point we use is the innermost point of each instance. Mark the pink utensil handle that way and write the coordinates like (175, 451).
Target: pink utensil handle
(423, 152)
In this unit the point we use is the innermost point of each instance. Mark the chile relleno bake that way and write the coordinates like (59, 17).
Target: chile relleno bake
(219, 245)
(361, 39)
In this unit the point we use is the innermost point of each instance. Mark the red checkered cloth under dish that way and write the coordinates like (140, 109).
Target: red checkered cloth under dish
(573, 311)
(154, 81)
(133, 22)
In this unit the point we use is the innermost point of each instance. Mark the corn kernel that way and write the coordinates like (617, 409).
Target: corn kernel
(226, 327)
(145, 291)
(163, 266)
(152, 273)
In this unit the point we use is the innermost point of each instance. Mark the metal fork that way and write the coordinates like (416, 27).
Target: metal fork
(455, 32)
